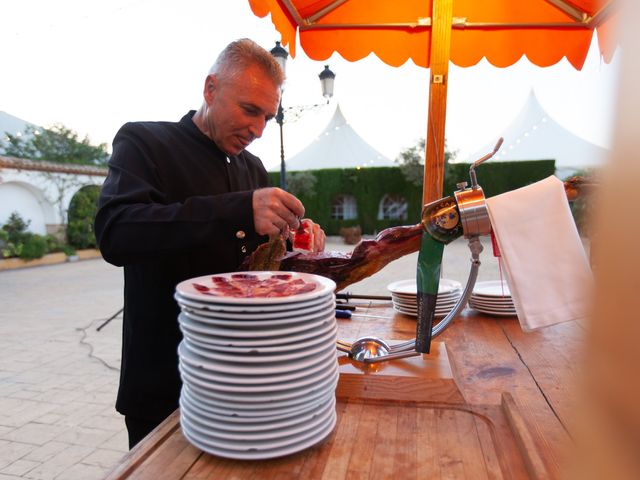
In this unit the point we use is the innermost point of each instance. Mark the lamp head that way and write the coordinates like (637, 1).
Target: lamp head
(281, 55)
(326, 79)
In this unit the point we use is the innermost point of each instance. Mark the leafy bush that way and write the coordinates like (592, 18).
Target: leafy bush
(14, 235)
(16, 241)
(54, 244)
(301, 183)
(82, 211)
(15, 225)
(5, 245)
(35, 246)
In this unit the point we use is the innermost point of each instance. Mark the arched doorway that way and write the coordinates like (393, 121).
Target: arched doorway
(29, 202)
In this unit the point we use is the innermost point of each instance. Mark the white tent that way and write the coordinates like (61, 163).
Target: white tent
(534, 135)
(338, 146)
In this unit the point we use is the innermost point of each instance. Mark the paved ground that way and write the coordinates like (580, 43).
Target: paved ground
(58, 375)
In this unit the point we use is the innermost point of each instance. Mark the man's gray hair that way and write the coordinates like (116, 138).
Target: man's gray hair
(239, 55)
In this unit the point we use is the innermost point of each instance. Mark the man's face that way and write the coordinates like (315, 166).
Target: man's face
(239, 110)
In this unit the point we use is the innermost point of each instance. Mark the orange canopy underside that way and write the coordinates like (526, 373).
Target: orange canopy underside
(500, 30)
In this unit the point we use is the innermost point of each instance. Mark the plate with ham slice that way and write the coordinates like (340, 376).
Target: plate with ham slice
(275, 310)
(255, 288)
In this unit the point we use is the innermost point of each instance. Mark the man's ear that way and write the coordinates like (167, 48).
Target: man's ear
(210, 86)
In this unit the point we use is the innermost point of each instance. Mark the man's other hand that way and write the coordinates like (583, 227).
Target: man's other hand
(275, 211)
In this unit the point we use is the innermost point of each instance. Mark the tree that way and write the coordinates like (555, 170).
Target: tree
(56, 144)
(411, 161)
(302, 183)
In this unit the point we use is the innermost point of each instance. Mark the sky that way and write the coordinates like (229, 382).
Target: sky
(94, 65)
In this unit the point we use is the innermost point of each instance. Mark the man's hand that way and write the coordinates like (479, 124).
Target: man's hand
(275, 210)
(318, 237)
(309, 237)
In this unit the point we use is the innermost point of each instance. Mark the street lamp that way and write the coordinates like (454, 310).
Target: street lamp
(326, 79)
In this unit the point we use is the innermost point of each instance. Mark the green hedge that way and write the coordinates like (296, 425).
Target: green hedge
(82, 211)
(369, 185)
(499, 177)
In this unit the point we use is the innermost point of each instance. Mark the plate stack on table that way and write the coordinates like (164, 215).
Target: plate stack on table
(403, 296)
(258, 362)
(492, 297)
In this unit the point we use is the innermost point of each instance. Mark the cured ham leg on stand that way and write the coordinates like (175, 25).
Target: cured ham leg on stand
(368, 257)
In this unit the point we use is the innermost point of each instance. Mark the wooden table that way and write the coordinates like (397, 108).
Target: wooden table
(512, 419)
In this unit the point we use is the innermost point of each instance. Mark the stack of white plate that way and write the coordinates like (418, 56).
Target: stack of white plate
(258, 362)
(492, 297)
(403, 296)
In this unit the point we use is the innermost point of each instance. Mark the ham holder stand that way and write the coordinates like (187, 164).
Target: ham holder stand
(473, 218)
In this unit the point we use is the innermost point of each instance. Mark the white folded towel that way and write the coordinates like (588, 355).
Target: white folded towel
(544, 260)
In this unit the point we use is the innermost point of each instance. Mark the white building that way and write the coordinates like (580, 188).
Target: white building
(40, 192)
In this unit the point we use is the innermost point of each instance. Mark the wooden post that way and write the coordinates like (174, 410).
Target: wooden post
(440, 52)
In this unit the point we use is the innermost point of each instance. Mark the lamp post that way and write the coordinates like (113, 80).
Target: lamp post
(326, 79)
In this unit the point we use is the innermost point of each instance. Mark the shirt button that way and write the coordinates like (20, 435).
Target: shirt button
(240, 234)
(243, 249)
(228, 161)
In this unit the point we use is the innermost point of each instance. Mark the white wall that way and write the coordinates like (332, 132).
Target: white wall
(21, 198)
(34, 195)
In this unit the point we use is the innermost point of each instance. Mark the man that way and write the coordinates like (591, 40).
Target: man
(184, 199)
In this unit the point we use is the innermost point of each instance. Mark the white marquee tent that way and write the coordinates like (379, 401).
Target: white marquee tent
(338, 146)
(534, 135)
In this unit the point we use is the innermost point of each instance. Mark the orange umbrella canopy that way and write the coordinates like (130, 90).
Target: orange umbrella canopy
(500, 30)
(433, 33)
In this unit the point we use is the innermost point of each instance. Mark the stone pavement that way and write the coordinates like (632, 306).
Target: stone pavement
(59, 375)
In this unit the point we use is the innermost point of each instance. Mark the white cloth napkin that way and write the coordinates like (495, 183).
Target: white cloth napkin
(544, 260)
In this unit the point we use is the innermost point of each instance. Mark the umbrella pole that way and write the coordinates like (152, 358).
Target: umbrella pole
(440, 52)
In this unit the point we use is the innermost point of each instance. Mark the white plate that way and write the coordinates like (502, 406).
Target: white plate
(272, 399)
(495, 312)
(256, 414)
(323, 287)
(328, 363)
(492, 288)
(273, 368)
(215, 430)
(252, 420)
(205, 397)
(283, 355)
(439, 304)
(259, 400)
(263, 350)
(298, 444)
(497, 306)
(205, 381)
(277, 322)
(207, 308)
(204, 336)
(414, 311)
(321, 386)
(253, 424)
(196, 326)
(412, 297)
(498, 301)
(410, 287)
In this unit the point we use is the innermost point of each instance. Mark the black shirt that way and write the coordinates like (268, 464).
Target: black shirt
(170, 209)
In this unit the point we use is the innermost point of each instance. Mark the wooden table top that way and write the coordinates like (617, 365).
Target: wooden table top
(519, 396)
